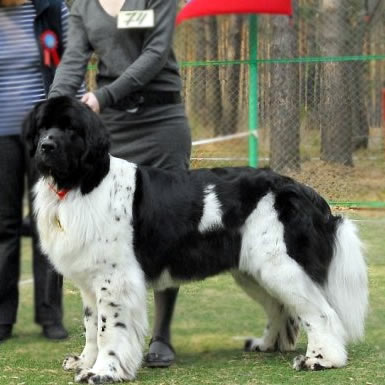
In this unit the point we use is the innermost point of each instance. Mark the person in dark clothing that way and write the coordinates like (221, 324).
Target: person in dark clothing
(138, 97)
(32, 34)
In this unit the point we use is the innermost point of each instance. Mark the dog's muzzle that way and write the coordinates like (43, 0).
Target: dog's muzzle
(49, 141)
(47, 145)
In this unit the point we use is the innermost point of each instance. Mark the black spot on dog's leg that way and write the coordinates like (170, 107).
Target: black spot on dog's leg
(101, 379)
(276, 345)
(318, 367)
(120, 325)
(290, 333)
(248, 347)
(87, 312)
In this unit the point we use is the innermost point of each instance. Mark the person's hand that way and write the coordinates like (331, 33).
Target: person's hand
(90, 99)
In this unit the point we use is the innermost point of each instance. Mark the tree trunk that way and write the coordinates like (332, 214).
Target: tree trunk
(357, 81)
(229, 75)
(336, 132)
(284, 96)
(211, 93)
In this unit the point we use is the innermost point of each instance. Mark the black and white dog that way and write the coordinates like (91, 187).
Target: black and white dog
(114, 227)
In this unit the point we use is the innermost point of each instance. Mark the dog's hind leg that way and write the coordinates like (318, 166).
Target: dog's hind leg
(281, 331)
(301, 296)
(264, 256)
(88, 357)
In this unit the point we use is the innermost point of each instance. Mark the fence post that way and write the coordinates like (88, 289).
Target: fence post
(383, 115)
(253, 92)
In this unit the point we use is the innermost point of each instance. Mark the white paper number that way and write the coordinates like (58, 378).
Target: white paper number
(136, 19)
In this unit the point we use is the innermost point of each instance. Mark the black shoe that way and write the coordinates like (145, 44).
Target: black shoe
(55, 332)
(26, 230)
(5, 332)
(160, 354)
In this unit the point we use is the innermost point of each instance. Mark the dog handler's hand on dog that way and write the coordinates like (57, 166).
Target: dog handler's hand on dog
(90, 99)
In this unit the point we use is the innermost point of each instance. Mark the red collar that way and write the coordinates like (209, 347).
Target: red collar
(60, 193)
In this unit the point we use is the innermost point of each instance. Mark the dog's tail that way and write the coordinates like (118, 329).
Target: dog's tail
(347, 284)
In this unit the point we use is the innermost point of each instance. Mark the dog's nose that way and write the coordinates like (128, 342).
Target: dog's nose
(48, 145)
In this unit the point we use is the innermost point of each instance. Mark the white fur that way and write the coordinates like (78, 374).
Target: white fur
(93, 246)
(347, 284)
(165, 281)
(212, 213)
(275, 335)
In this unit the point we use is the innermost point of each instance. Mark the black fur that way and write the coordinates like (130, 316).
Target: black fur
(81, 158)
(173, 203)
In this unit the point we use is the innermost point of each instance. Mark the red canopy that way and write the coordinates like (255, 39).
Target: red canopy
(196, 8)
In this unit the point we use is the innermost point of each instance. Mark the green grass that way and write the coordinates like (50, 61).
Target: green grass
(210, 317)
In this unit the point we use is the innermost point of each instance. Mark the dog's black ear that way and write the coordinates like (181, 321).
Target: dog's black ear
(30, 132)
(96, 160)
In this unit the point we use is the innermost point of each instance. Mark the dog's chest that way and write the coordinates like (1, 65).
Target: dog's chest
(86, 234)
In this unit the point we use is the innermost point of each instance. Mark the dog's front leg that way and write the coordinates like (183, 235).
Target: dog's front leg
(88, 357)
(122, 325)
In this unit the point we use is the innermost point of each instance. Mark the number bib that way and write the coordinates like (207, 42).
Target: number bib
(136, 19)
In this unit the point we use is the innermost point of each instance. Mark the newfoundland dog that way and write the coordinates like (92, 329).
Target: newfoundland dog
(114, 228)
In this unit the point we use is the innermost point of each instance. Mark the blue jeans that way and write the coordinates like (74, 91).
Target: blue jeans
(47, 284)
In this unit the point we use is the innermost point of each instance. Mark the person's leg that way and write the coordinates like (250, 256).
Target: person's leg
(48, 284)
(161, 353)
(173, 148)
(11, 196)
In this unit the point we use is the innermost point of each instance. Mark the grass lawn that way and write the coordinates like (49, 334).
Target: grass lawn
(211, 318)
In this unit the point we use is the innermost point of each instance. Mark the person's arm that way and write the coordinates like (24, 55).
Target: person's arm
(69, 75)
(156, 49)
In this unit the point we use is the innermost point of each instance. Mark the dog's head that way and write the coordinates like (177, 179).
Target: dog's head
(68, 142)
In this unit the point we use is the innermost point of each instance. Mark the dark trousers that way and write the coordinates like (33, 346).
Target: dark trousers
(47, 284)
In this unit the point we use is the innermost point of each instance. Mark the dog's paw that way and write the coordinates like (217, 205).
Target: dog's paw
(311, 363)
(72, 362)
(258, 345)
(91, 376)
(83, 375)
(102, 379)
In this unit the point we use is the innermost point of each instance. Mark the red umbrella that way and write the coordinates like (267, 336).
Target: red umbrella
(197, 8)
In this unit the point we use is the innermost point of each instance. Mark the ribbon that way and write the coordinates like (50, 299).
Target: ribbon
(49, 42)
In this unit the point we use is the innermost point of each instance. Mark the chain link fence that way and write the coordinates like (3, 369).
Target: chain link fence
(320, 75)
(316, 79)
